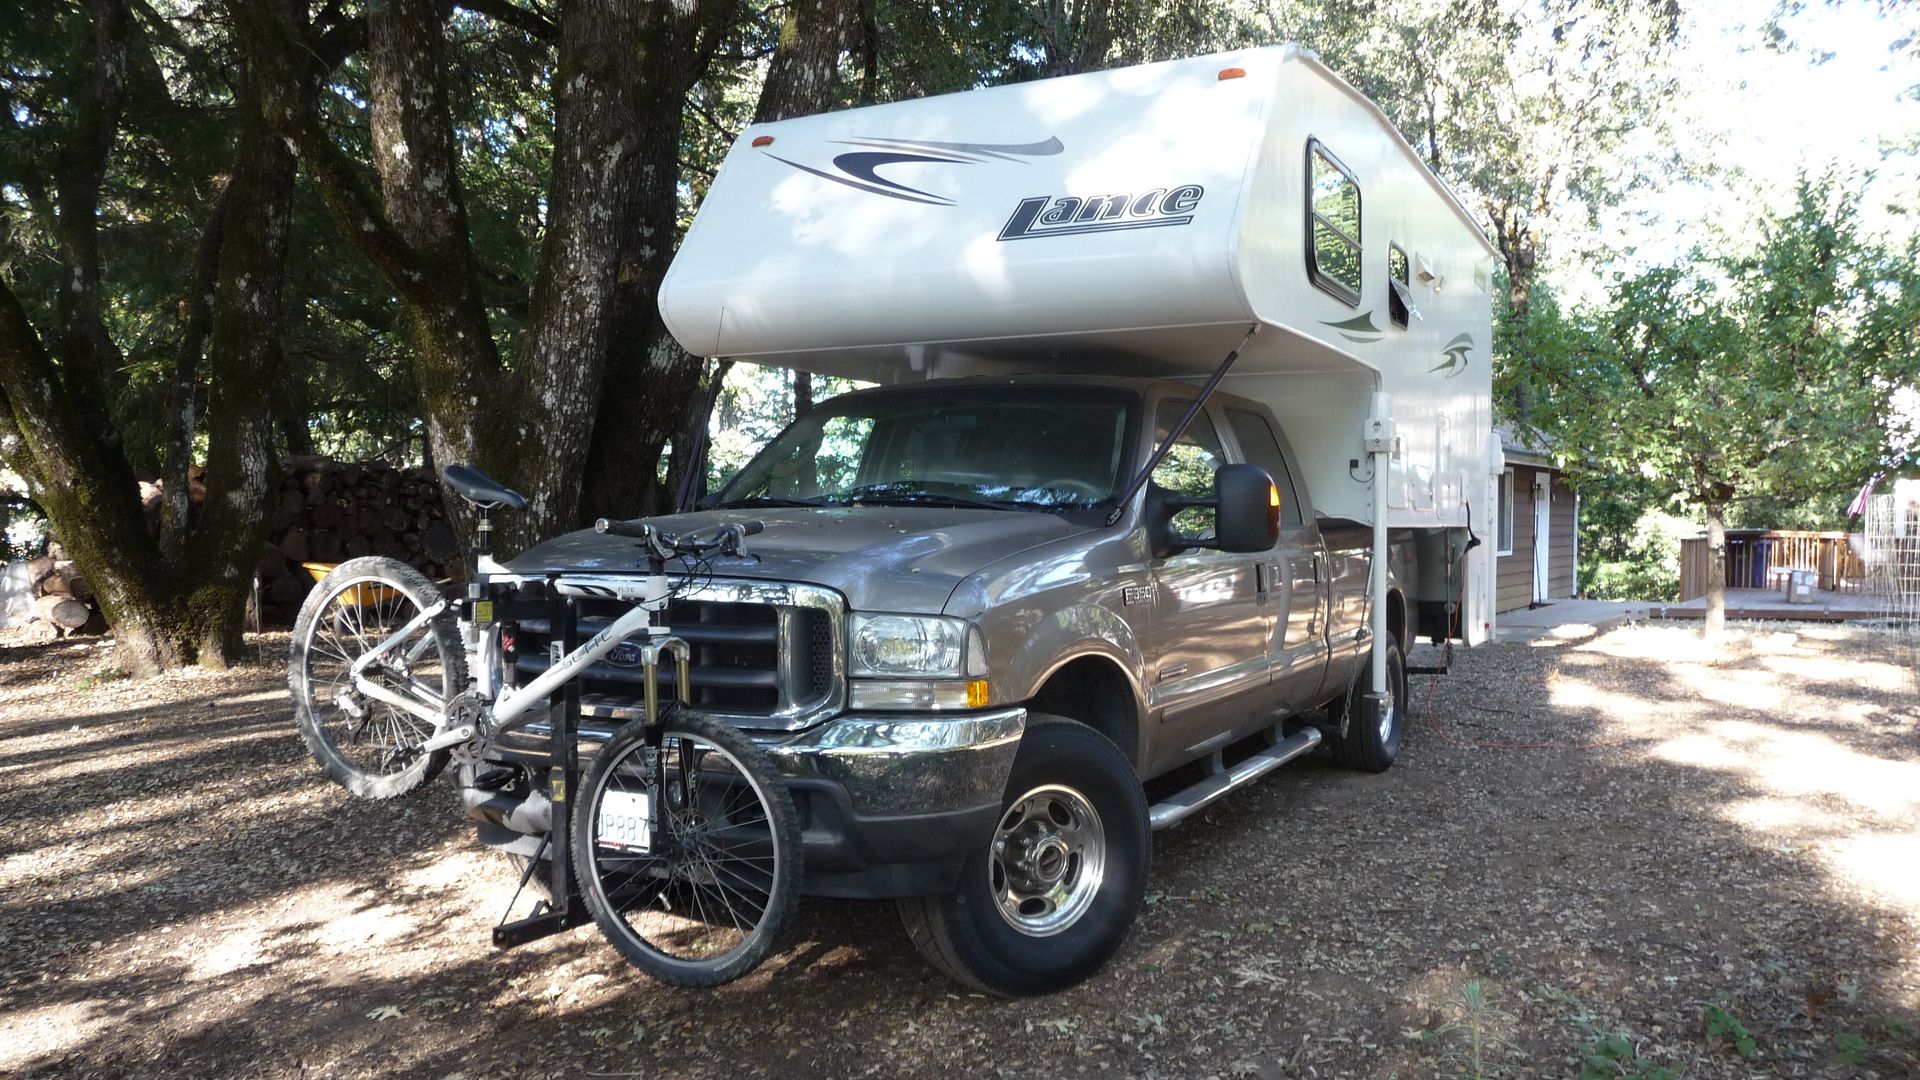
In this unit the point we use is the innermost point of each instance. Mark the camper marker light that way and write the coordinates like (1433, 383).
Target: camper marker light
(763, 140)
(1232, 73)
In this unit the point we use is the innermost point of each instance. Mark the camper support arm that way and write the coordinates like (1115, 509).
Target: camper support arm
(1179, 429)
(1379, 438)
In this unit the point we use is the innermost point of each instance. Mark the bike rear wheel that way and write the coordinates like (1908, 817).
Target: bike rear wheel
(702, 897)
(362, 743)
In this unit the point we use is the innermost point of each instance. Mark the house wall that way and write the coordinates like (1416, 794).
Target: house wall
(1513, 582)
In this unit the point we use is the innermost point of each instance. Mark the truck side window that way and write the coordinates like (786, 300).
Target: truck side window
(1263, 449)
(1189, 466)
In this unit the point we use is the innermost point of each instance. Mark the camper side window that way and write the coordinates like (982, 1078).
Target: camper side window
(1503, 542)
(1189, 466)
(1333, 224)
(1399, 293)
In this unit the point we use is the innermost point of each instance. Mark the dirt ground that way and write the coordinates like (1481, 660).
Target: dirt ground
(1704, 859)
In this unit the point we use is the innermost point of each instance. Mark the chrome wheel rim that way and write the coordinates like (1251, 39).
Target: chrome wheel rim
(1049, 858)
(1387, 706)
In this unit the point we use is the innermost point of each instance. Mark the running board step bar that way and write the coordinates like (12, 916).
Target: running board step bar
(1165, 815)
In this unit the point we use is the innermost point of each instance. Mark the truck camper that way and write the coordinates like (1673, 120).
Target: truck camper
(1182, 438)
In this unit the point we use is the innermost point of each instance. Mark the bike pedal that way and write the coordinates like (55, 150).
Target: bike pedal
(495, 779)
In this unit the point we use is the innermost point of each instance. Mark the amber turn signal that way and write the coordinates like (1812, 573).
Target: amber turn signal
(1232, 73)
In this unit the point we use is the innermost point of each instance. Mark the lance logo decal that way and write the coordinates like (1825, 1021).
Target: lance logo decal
(1072, 215)
(860, 169)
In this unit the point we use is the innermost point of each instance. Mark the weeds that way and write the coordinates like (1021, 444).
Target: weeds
(100, 677)
(1475, 1015)
(1612, 1056)
(1722, 1026)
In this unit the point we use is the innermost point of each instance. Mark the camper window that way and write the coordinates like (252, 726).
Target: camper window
(1189, 466)
(1259, 447)
(1333, 224)
(1399, 298)
(1503, 542)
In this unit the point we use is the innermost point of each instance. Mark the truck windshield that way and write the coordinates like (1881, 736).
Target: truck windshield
(1014, 447)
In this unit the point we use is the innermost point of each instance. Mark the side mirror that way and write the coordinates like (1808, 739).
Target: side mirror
(1247, 514)
(1246, 506)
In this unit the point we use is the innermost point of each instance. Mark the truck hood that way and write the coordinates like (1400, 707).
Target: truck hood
(881, 558)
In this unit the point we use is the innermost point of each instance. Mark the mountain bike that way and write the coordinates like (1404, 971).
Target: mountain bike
(683, 841)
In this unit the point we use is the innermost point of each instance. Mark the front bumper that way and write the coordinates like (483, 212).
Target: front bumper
(890, 805)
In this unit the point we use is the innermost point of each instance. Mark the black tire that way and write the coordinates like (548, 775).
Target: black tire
(972, 934)
(360, 603)
(1366, 747)
(730, 855)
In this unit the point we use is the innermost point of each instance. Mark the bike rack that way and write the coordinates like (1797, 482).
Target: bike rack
(563, 909)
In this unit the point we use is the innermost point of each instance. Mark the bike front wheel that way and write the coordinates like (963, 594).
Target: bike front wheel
(364, 744)
(688, 852)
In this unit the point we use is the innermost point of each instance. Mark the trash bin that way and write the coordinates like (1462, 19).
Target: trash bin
(1760, 552)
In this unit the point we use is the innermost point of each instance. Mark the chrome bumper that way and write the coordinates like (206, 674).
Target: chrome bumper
(901, 765)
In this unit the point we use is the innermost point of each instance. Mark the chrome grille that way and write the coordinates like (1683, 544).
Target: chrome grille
(766, 655)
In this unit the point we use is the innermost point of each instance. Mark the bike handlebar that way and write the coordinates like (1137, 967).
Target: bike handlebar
(727, 539)
(632, 529)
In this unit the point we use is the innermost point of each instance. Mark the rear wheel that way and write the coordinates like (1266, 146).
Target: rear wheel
(1048, 899)
(1373, 747)
(364, 744)
(701, 896)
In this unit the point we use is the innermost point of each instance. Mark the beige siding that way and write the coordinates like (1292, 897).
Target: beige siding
(1560, 572)
(1513, 584)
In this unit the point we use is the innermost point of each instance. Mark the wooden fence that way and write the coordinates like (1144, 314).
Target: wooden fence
(1759, 559)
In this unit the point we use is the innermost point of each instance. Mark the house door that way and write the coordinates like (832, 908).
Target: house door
(1542, 525)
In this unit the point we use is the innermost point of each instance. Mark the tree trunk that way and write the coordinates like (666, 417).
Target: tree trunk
(57, 431)
(244, 360)
(1716, 618)
(650, 378)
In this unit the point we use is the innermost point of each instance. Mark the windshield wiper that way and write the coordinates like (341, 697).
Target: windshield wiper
(777, 500)
(882, 497)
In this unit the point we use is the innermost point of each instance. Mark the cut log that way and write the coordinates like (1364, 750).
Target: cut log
(62, 611)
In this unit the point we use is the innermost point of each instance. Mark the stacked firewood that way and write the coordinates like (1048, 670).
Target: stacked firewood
(331, 511)
(62, 600)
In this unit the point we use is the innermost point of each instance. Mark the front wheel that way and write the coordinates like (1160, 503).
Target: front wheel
(362, 743)
(1048, 899)
(688, 853)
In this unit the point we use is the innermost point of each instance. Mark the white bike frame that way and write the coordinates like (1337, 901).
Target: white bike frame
(648, 595)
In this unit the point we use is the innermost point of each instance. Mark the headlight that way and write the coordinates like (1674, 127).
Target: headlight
(928, 646)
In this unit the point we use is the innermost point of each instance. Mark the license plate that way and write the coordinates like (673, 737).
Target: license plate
(625, 821)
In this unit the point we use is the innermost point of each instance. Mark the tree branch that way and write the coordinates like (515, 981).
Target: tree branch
(508, 13)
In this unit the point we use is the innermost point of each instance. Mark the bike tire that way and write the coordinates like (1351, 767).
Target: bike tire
(344, 617)
(710, 902)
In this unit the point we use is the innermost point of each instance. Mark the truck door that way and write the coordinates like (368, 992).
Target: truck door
(1208, 657)
(1294, 578)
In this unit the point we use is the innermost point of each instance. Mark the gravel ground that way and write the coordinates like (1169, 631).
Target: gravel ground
(1710, 852)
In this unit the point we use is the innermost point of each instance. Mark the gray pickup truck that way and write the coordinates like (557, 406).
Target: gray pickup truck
(968, 652)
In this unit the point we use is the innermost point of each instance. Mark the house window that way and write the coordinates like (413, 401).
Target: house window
(1333, 225)
(1399, 294)
(1503, 540)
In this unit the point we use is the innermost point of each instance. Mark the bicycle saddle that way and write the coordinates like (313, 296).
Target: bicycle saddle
(477, 487)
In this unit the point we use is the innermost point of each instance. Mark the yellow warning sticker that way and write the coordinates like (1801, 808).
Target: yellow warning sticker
(483, 611)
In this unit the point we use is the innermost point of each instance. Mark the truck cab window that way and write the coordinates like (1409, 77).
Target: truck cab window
(1333, 225)
(1261, 448)
(1189, 465)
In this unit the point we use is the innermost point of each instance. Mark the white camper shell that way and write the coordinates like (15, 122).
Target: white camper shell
(1135, 222)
